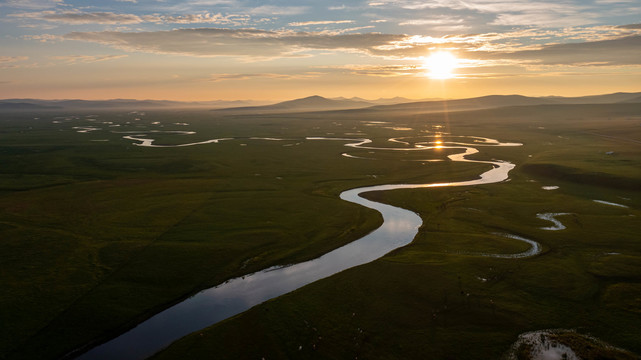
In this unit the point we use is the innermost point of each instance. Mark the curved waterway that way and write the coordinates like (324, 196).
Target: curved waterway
(237, 295)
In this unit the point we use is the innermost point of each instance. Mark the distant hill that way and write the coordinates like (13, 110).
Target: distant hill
(633, 100)
(122, 104)
(387, 101)
(317, 103)
(596, 99)
(476, 103)
(311, 103)
(13, 106)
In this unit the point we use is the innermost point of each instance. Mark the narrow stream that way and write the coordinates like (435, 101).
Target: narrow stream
(237, 295)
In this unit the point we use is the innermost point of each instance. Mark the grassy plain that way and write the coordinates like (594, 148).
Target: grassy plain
(98, 235)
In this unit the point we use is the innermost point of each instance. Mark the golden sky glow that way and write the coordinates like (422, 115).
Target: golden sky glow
(245, 49)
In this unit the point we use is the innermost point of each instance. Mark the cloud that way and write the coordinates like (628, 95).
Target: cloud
(439, 23)
(10, 59)
(31, 4)
(616, 52)
(544, 19)
(75, 17)
(73, 59)
(110, 18)
(510, 12)
(211, 2)
(441, 20)
(326, 22)
(344, 31)
(43, 38)
(204, 18)
(595, 46)
(9, 62)
(630, 26)
(486, 6)
(250, 43)
(378, 70)
(278, 10)
(227, 77)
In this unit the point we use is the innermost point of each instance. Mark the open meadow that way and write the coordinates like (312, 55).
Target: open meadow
(99, 233)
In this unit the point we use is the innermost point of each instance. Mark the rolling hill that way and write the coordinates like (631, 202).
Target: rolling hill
(311, 103)
(318, 103)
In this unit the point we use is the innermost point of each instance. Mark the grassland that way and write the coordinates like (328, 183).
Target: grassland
(98, 235)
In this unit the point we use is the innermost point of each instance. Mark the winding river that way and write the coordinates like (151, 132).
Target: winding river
(237, 295)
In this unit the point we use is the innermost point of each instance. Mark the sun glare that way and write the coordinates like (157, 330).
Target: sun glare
(441, 65)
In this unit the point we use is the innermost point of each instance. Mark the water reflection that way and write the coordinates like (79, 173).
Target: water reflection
(552, 218)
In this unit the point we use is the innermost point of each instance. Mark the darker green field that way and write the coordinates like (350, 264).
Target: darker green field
(98, 233)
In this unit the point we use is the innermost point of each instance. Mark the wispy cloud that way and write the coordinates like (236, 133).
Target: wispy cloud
(487, 6)
(210, 2)
(616, 52)
(326, 22)
(545, 19)
(278, 10)
(31, 4)
(9, 62)
(74, 59)
(253, 43)
(74, 17)
(509, 12)
(205, 18)
(378, 70)
(43, 38)
(229, 77)
(439, 23)
(596, 46)
(9, 59)
(110, 18)
(441, 20)
(630, 26)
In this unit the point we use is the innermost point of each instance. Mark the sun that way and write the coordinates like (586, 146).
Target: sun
(441, 65)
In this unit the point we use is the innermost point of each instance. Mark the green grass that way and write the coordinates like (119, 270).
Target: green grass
(99, 235)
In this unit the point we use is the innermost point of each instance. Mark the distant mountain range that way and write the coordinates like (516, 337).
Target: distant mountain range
(129, 104)
(318, 103)
(311, 103)
(386, 101)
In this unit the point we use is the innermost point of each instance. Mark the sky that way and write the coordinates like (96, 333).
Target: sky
(284, 49)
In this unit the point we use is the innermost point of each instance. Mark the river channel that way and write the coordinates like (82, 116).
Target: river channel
(210, 306)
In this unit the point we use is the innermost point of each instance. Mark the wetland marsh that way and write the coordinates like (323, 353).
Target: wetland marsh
(114, 216)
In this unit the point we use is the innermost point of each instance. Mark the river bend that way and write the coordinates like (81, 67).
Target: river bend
(210, 306)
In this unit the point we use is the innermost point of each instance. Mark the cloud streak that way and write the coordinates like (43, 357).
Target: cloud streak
(231, 77)
(254, 43)
(509, 12)
(604, 46)
(326, 22)
(110, 18)
(74, 59)
(378, 70)
(9, 62)
(616, 52)
(31, 4)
